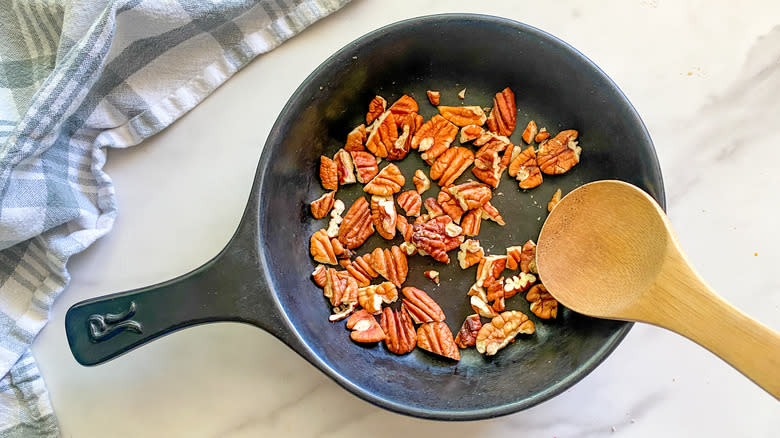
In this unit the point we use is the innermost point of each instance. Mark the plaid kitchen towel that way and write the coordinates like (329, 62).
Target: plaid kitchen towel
(76, 77)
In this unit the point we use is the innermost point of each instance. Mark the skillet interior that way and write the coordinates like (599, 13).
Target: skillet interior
(555, 86)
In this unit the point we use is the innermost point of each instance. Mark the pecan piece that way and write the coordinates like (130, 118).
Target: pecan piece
(387, 182)
(411, 202)
(360, 269)
(467, 336)
(340, 288)
(471, 222)
(421, 306)
(470, 253)
(355, 139)
(449, 204)
(433, 208)
(451, 164)
(559, 154)
(434, 137)
(335, 218)
(480, 305)
(376, 107)
(344, 166)
(321, 248)
(471, 195)
(556, 198)
(436, 337)
(384, 216)
(518, 283)
(463, 115)
(528, 257)
(433, 97)
(401, 336)
(384, 135)
(513, 257)
(502, 330)
(490, 267)
(421, 182)
(329, 173)
(357, 225)
(400, 149)
(364, 328)
(431, 238)
(470, 132)
(432, 275)
(462, 94)
(489, 164)
(491, 213)
(372, 297)
(390, 264)
(319, 275)
(543, 304)
(504, 112)
(542, 135)
(322, 205)
(366, 166)
(405, 228)
(525, 169)
(529, 134)
(403, 106)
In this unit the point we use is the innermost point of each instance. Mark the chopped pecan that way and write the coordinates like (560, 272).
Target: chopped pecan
(433, 208)
(453, 230)
(411, 202)
(355, 139)
(388, 181)
(403, 106)
(319, 275)
(390, 264)
(463, 115)
(366, 166)
(518, 283)
(451, 164)
(504, 112)
(335, 218)
(364, 328)
(559, 154)
(322, 205)
(471, 195)
(400, 149)
(525, 169)
(489, 164)
(401, 336)
(408, 248)
(342, 311)
(421, 182)
(405, 228)
(513, 257)
(384, 135)
(376, 108)
(528, 257)
(432, 275)
(471, 222)
(491, 213)
(372, 297)
(470, 253)
(462, 94)
(502, 330)
(357, 225)
(436, 337)
(470, 132)
(433, 97)
(489, 136)
(329, 173)
(467, 336)
(556, 198)
(542, 135)
(543, 304)
(321, 248)
(530, 132)
(449, 204)
(434, 137)
(384, 216)
(494, 291)
(423, 218)
(490, 267)
(339, 287)
(344, 167)
(360, 269)
(480, 305)
(432, 239)
(421, 306)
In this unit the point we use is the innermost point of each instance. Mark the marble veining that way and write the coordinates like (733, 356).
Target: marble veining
(704, 76)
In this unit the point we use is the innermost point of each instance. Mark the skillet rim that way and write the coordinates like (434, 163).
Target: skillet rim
(290, 334)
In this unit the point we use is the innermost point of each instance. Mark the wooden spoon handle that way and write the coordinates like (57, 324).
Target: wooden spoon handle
(694, 310)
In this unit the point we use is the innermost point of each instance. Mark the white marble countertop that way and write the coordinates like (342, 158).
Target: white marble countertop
(704, 76)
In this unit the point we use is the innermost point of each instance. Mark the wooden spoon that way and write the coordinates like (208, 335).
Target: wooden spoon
(608, 250)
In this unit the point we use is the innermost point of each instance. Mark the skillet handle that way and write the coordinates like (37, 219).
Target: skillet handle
(230, 287)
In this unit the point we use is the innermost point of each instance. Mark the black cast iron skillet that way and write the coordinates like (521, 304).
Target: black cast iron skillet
(262, 277)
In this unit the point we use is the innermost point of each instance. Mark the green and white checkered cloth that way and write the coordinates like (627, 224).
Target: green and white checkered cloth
(76, 77)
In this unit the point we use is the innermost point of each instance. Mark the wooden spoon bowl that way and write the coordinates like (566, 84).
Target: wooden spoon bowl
(608, 250)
